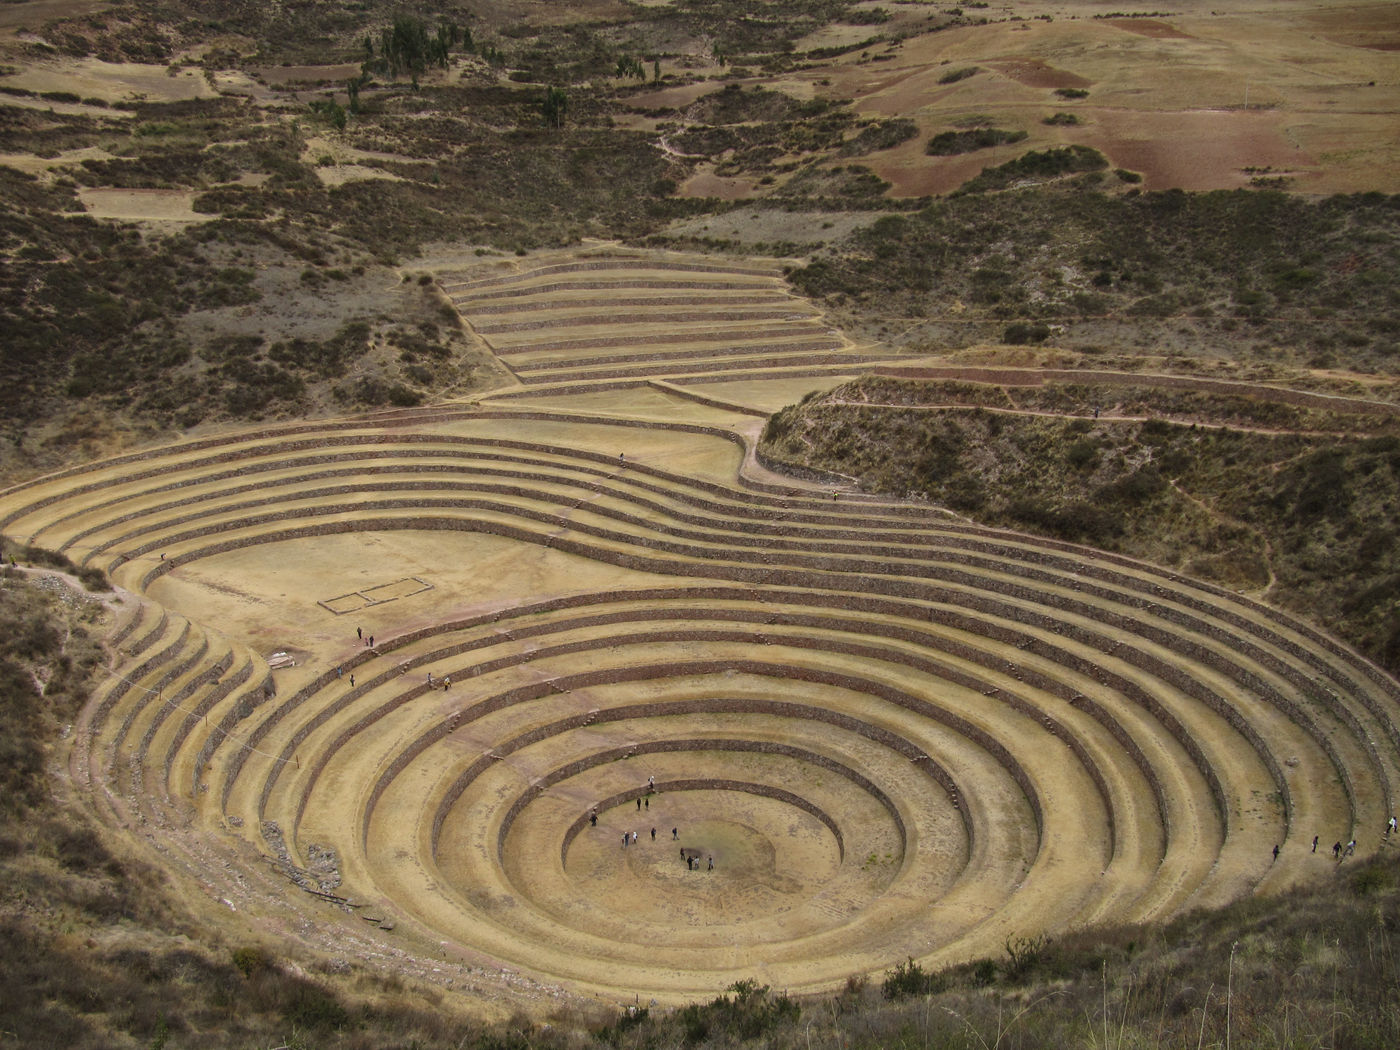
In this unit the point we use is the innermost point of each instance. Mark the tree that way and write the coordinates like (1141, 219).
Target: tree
(630, 66)
(555, 103)
(407, 47)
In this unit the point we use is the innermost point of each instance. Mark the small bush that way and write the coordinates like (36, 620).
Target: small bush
(251, 961)
(951, 143)
(1071, 92)
(909, 979)
(94, 579)
(1019, 334)
(752, 1012)
(953, 76)
(1039, 165)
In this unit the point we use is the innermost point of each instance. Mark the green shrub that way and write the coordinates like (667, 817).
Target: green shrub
(909, 979)
(950, 143)
(953, 76)
(1020, 333)
(752, 1012)
(251, 960)
(1038, 164)
(1082, 453)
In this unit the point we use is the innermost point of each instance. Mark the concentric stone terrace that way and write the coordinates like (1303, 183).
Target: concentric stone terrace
(447, 662)
(619, 318)
(894, 736)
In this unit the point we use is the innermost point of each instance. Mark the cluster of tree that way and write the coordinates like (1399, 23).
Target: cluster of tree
(334, 113)
(554, 106)
(631, 66)
(408, 47)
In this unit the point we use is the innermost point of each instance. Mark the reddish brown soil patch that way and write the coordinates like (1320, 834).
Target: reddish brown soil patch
(673, 98)
(912, 173)
(1200, 150)
(309, 74)
(1150, 27)
(1037, 74)
(708, 184)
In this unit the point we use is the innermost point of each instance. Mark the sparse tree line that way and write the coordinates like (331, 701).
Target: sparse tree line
(407, 47)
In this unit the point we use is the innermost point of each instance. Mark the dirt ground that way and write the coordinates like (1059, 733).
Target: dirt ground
(1211, 92)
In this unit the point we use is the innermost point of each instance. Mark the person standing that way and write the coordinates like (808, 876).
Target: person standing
(1314, 843)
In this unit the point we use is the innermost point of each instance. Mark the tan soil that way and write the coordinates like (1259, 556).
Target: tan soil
(112, 81)
(1149, 27)
(141, 205)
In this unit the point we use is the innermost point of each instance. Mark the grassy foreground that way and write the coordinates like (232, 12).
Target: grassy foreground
(97, 954)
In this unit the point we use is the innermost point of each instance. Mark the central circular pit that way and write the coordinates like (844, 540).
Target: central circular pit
(768, 858)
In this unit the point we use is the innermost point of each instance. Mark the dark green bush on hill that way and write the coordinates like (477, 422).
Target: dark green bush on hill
(949, 143)
(1038, 165)
(1296, 272)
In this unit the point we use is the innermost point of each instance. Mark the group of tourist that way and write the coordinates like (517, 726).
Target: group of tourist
(629, 838)
(1339, 851)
